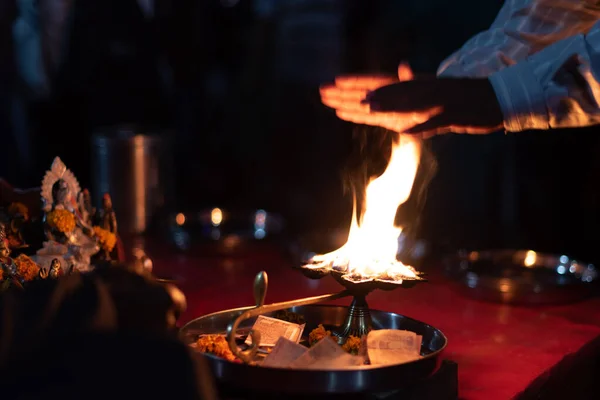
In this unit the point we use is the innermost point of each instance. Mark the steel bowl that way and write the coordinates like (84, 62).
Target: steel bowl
(313, 382)
(522, 276)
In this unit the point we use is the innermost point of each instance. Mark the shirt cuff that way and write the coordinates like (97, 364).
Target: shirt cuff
(521, 98)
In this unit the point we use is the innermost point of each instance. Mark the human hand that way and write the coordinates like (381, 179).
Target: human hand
(347, 97)
(452, 105)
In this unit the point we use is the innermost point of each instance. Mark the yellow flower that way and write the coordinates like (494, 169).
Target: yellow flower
(317, 334)
(352, 345)
(62, 220)
(26, 267)
(108, 240)
(215, 344)
(18, 208)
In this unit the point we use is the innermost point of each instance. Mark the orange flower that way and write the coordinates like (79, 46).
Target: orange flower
(26, 267)
(62, 220)
(215, 344)
(1, 274)
(352, 345)
(317, 334)
(108, 240)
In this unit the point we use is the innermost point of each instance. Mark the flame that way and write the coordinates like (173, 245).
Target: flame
(372, 245)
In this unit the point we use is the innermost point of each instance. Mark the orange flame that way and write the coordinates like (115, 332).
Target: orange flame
(372, 245)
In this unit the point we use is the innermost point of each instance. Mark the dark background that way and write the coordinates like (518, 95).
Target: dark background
(236, 88)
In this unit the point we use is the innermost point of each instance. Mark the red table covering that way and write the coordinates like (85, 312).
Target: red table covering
(499, 349)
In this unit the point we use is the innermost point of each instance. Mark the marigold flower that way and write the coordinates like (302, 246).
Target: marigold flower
(317, 334)
(1, 274)
(107, 239)
(352, 345)
(62, 220)
(26, 267)
(215, 344)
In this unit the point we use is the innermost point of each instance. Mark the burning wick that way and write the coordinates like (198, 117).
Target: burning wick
(371, 249)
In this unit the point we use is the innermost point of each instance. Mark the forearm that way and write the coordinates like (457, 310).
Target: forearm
(558, 87)
(521, 29)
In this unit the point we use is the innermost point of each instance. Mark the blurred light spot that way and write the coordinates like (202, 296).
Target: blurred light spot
(180, 219)
(215, 234)
(182, 240)
(564, 259)
(530, 258)
(231, 241)
(472, 280)
(148, 264)
(572, 269)
(260, 219)
(216, 216)
(505, 285)
(259, 233)
(561, 269)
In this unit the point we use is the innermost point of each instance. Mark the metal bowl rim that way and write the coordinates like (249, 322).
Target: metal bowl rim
(464, 253)
(582, 267)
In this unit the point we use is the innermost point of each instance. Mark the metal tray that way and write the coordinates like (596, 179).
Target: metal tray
(522, 277)
(306, 382)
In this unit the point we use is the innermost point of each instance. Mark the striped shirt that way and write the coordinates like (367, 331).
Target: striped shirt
(543, 59)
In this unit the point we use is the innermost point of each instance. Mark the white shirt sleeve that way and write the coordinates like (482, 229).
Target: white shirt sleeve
(558, 87)
(522, 28)
(543, 60)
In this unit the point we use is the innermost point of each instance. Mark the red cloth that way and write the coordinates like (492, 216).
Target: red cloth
(499, 349)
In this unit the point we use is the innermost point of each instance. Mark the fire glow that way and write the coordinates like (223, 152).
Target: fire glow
(372, 246)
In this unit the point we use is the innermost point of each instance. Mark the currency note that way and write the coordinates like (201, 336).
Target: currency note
(326, 354)
(283, 354)
(392, 346)
(271, 329)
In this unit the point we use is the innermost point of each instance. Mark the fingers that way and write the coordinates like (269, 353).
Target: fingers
(369, 100)
(405, 72)
(364, 118)
(393, 121)
(349, 100)
(348, 91)
(363, 82)
(329, 91)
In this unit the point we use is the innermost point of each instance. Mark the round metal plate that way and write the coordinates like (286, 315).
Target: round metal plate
(357, 380)
(522, 276)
